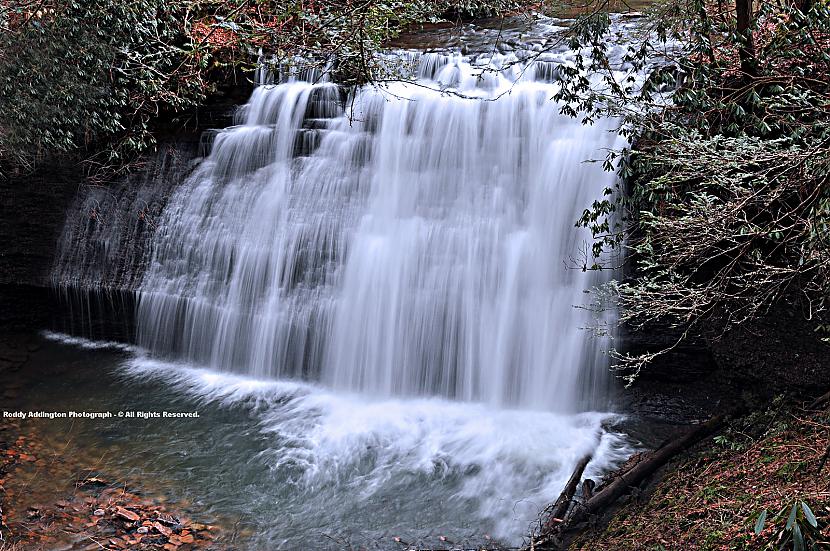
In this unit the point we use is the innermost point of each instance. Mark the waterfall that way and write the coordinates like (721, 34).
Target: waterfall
(109, 228)
(102, 252)
(378, 287)
(415, 238)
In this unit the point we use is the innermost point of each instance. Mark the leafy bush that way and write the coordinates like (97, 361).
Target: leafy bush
(727, 206)
(78, 73)
(91, 77)
(801, 531)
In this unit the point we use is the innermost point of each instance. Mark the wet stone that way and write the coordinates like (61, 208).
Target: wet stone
(126, 514)
(170, 520)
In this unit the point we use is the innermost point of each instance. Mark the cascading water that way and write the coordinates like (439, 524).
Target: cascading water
(418, 244)
(397, 264)
(102, 256)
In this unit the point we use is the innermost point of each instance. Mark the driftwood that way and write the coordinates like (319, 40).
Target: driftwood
(595, 503)
(588, 489)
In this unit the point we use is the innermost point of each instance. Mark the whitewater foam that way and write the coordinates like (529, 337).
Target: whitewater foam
(508, 463)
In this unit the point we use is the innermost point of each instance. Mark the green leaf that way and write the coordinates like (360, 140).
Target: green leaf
(798, 539)
(808, 514)
(791, 520)
(759, 524)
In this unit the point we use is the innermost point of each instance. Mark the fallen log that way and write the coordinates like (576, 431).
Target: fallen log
(595, 503)
(639, 472)
(563, 503)
(821, 400)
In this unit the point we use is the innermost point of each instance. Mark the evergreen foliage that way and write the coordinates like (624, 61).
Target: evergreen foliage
(726, 209)
(90, 78)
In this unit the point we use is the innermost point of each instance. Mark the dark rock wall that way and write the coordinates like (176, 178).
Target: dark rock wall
(108, 232)
(781, 350)
(678, 386)
(32, 212)
(35, 206)
(777, 353)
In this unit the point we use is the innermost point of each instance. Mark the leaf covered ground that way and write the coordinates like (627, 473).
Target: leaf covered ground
(712, 498)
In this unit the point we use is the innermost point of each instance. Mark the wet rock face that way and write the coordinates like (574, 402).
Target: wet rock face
(108, 229)
(677, 387)
(689, 361)
(779, 352)
(34, 206)
(34, 232)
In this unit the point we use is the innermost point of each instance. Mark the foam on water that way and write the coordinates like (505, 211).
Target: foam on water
(88, 344)
(499, 466)
(509, 463)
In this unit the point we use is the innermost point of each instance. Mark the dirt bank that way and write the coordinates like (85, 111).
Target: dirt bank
(711, 497)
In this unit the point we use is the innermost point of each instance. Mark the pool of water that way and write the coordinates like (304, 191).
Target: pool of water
(296, 465)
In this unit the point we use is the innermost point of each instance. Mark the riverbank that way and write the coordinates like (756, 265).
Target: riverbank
(711, 497)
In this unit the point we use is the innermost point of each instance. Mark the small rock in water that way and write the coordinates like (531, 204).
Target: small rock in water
(167, 519)
(91, 481)
(126, 514)
(161, 529)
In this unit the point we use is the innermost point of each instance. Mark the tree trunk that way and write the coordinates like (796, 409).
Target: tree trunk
(746, 50)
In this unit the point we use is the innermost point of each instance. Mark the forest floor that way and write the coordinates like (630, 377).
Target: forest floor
(711, 497)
